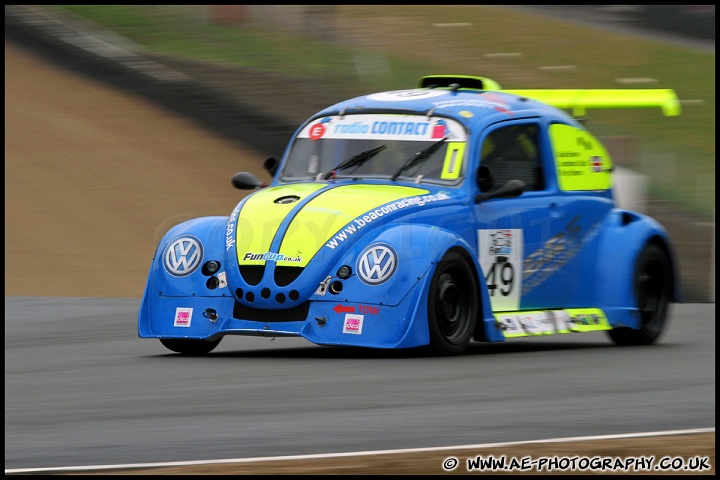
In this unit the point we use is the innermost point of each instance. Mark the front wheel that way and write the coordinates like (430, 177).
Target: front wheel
(452, 305)
(190, 347)
(653, 288)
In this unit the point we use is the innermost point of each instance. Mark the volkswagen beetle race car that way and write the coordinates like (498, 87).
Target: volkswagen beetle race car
(433, 216)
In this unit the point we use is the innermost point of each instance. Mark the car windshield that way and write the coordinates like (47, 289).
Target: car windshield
(399, 148)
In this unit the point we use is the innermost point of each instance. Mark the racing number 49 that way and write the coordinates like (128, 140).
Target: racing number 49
(500, 277)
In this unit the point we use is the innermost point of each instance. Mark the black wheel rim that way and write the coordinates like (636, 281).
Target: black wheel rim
(653, 293)
(452, 309)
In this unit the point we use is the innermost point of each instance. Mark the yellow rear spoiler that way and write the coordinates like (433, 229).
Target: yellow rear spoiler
(577, 100)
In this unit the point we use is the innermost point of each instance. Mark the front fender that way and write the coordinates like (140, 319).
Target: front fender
(171, 274)
(179, 273)
(401, 300)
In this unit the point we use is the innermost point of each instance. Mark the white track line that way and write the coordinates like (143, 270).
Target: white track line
(354, 454)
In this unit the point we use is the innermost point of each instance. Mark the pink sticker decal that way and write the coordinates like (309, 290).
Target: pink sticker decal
(353, 324)
(183, 317)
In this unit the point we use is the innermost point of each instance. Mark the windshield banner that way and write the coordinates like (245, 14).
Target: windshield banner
(380, 127)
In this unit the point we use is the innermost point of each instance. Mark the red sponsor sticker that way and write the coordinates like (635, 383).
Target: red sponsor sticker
(317, 131)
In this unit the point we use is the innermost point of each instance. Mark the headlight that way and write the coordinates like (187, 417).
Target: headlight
(211, 267)
(344, 272)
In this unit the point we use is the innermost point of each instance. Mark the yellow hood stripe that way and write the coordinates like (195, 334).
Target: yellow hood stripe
(330, 211)
(310, 229)
(260, 218)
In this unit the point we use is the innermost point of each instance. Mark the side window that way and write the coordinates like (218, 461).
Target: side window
(581, 160)
(512, 153)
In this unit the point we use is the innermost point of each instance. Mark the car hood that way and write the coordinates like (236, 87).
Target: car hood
(289, 224)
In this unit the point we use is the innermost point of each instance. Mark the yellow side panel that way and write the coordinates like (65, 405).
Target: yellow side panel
(550, 322)
(581, 161)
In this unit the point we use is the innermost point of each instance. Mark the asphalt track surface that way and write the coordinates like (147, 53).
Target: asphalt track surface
(82, 390)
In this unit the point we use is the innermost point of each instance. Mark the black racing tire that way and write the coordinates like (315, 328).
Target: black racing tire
(653, 290)
(190, 347)
(452, 305)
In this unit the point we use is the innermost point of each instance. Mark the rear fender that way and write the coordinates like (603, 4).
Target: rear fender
(179, 278)
(624, 236)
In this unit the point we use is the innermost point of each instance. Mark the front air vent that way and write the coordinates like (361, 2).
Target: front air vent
(287, 199)
(286, 275)
(295, 314)
(629, 217)
(252, 274)
(458, 82)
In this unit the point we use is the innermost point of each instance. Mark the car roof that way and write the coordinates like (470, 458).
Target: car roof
(470, 107)
(480, 101)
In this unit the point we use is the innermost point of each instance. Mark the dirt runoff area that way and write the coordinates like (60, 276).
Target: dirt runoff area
(94, 178)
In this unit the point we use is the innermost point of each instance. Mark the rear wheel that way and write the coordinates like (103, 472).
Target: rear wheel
(190, 347)
(653, 289)
(452, 305)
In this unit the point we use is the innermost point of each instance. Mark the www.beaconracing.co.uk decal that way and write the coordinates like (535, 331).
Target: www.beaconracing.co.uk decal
(391, 207)
(230, 229)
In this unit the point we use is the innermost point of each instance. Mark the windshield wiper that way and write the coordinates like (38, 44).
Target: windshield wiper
(355, 160)
(419, 157)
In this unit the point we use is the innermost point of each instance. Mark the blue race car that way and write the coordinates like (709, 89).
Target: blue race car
(451, 212)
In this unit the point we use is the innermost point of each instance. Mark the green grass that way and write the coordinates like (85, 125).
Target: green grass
(403, 43)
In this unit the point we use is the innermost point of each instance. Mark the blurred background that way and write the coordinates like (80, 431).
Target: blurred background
(253, 73)
(327, 53)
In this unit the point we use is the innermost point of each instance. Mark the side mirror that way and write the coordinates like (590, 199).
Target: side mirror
(485, 179)
(246, 181)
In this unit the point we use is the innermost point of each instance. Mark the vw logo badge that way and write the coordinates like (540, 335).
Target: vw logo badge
(377, 263)
(183, 255)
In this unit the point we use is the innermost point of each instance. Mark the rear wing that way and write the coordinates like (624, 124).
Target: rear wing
(577, 100)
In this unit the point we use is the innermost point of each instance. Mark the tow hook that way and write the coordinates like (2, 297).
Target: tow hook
(211, 314)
